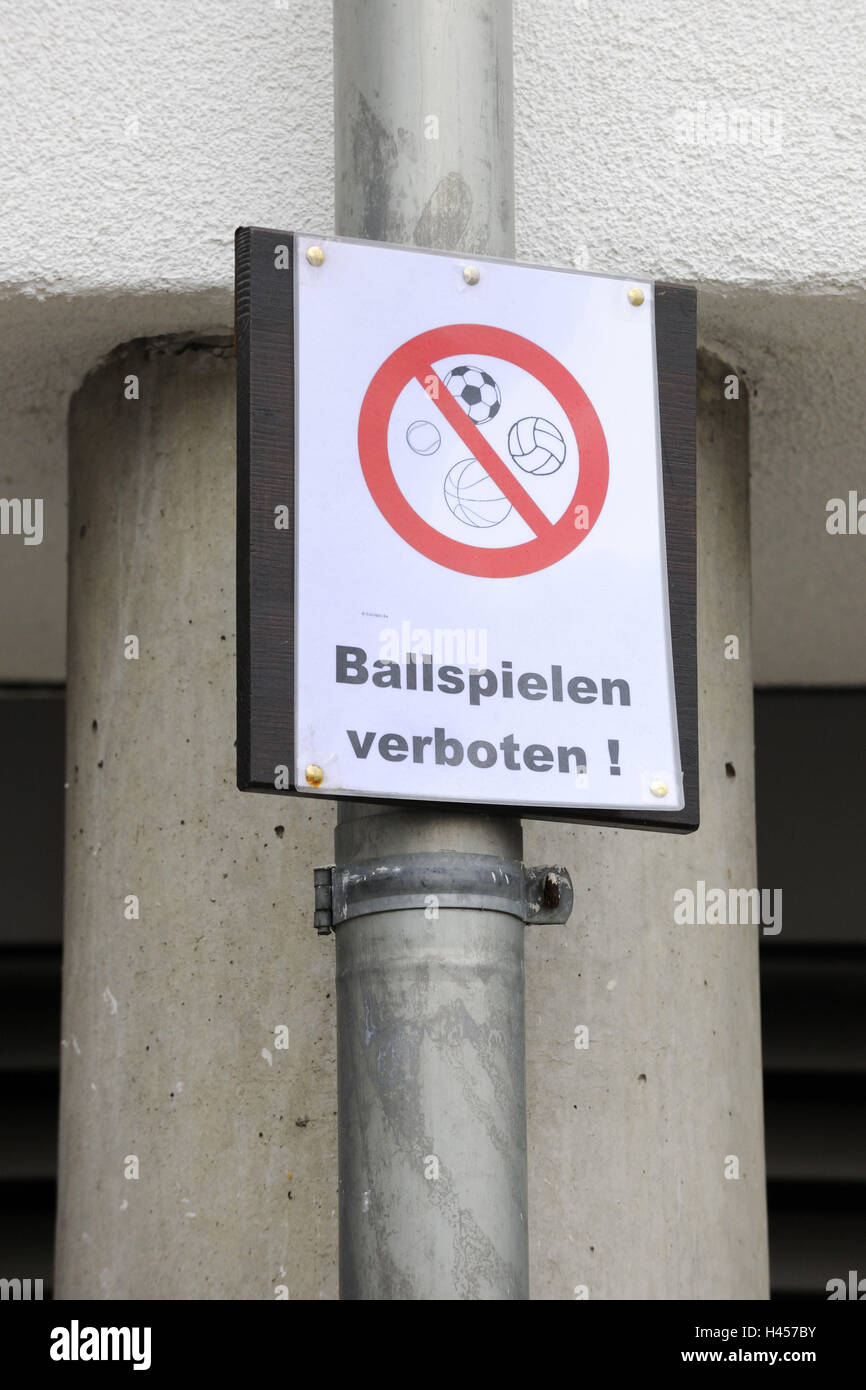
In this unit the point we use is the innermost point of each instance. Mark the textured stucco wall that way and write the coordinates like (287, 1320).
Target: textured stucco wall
(136, 138)
(768, 221)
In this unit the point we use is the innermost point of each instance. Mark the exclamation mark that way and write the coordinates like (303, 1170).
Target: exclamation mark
(613, 750)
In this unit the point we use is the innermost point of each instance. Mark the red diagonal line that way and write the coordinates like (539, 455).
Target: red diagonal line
(486, 455)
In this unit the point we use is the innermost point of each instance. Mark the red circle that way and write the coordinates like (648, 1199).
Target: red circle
(414, 359)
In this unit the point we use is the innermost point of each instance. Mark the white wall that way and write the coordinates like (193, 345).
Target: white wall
(136, 138)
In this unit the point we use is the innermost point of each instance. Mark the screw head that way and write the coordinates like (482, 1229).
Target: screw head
(315, 255)
(314, 774)
(471, 274)
(550, 892)
(659, 788)
(635, 298)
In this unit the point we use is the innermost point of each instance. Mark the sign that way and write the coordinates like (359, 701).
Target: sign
(466, 533)
(412, 362)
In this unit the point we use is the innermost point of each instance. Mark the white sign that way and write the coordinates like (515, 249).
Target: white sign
(481, 584)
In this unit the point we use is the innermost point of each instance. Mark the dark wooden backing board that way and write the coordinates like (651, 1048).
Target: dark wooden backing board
(265, 334)
(264, 329)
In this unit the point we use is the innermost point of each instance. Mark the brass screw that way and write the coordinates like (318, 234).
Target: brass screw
(315, 255)
(635, 298)
(659, 788)
(314, 774)
(471, 274)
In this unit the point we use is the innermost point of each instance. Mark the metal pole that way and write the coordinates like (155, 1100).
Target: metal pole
(431, 1070)
(423, 123)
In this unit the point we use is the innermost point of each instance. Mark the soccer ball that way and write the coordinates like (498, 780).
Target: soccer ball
(476, 391)
(536, 445)
(473, 496)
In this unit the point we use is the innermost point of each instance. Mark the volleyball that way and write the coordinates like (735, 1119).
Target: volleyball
(536, 445)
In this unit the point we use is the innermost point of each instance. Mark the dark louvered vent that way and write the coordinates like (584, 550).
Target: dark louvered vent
(31, 908)
(811, 824)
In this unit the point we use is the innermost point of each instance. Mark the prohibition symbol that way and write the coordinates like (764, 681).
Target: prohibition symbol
(551, 541)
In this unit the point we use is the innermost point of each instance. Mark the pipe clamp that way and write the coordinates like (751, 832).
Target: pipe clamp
(480, 881)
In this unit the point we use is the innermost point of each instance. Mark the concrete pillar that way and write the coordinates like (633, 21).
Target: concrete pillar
(630, 1139)
(171, 1066)
(172, 1018)
(169, 1048)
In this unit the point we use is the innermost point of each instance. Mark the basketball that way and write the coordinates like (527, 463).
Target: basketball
(472, 495)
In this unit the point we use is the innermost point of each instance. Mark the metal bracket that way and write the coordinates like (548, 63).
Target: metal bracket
(482, 881)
